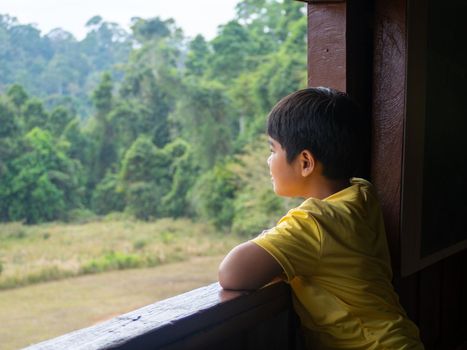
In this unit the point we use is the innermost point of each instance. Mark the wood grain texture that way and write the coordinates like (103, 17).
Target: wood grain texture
(327, 45)
(388, 110)
(192, 318)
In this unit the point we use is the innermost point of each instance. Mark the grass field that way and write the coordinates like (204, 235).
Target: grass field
(97, 270)
(34, 254)
(42, 311)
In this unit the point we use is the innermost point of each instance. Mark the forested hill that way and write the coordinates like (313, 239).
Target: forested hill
(57, 67)
(172, 126)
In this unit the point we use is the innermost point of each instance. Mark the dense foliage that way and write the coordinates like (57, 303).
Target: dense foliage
(148, 122)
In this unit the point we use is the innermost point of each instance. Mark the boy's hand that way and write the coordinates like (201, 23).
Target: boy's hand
(248, 267)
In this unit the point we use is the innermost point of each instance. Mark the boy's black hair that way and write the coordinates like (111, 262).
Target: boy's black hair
(326, 122)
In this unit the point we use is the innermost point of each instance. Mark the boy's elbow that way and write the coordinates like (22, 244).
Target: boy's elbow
(223, 280)
(228, 279)
(247, 267)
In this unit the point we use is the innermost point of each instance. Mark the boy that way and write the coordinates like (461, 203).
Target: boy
(332, 249)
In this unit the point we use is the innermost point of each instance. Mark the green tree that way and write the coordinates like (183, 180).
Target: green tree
(155, 98)
(9, 126)
(233, 48)
(59, 118)
(143, 200)
(153, 78)
(167, 174)
(108, 196)
(145, 168)
(184, 174)
(102, 97)
(203, 117)
(9, 150)
(145, 162)
(197, 60)
(151, 29)
(56, 65)
(129, 120)
(9, 133)
(103, 130)
(17, 95)
(46, 183)
(170, 128)
(213, 195)
(34, 115)
(81, 145)
(105, 44)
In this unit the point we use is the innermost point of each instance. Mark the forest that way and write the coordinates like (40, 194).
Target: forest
(147, 123)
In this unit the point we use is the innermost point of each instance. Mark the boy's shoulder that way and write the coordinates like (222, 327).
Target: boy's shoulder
(357, 198)
(350, 211)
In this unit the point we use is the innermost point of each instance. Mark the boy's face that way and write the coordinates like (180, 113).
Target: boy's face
(286, 177)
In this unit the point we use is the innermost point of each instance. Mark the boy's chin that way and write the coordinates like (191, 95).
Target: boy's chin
(283, 193)
(280, 192)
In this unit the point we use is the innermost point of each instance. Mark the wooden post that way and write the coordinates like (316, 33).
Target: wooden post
(327, 45)
(340, 42)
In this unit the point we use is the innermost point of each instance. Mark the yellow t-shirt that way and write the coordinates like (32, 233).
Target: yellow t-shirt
(335, 256)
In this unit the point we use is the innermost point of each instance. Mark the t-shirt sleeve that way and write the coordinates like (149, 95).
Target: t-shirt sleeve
(295, 243)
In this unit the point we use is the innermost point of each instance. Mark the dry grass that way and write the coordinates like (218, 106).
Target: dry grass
(35, 313)
(32, 254)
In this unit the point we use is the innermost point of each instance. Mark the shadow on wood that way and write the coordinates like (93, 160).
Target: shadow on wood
(204, 318)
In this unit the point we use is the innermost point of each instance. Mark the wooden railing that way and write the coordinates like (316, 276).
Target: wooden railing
(204, 318)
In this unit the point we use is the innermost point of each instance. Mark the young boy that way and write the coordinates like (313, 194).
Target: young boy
(332, 249)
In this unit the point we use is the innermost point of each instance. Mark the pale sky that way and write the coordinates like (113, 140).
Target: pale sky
(193, 16)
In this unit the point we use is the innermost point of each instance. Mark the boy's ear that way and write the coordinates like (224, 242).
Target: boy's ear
(307, 163)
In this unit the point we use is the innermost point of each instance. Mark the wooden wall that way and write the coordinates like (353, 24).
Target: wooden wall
(435, 297)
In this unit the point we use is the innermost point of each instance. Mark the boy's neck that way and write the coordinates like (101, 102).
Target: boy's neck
(322, 187)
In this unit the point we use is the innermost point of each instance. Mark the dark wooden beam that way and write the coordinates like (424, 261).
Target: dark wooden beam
(340, 49)
(388, 116)
(327, 23)
(200, 319)
(340, 45)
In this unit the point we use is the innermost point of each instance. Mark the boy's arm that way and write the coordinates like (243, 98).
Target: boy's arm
(248, 267)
